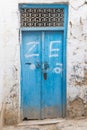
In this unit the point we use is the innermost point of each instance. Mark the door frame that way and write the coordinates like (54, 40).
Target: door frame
(64, 29)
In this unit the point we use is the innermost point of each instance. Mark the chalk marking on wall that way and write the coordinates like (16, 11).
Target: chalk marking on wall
(54, 50)
(58, 68)
(31, 47)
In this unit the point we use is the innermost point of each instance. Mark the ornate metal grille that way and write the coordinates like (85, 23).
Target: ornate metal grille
(42, 17)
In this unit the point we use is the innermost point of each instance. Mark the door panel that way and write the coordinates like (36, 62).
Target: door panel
(52, 75)
(31, 76)
(42, 68)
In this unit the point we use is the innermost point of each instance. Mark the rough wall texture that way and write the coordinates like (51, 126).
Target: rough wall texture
(77, 59)
(10, 59)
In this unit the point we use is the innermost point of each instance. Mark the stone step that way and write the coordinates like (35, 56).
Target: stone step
(41, 122)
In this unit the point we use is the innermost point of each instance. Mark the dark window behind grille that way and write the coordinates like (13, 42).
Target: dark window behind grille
(44, 17)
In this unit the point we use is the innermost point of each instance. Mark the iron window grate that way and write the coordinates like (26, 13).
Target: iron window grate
(42, 17)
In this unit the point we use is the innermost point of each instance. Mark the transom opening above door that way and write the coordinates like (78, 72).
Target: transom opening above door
(42, 17)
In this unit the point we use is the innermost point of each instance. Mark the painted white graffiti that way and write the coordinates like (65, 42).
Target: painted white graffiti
(58, 68)
(32, 67)
(31, 47)
(55, 50)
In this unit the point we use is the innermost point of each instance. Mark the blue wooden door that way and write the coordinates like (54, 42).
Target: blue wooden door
(52, 74)
(31, 74)
(42, 68)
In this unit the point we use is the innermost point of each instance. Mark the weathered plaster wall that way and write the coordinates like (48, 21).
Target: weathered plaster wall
(77, 59)
(10, 59)
(9, 49)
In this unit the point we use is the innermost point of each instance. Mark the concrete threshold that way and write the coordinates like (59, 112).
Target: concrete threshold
(41, 122)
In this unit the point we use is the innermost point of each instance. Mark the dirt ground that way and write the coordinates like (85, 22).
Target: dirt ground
(56, 124)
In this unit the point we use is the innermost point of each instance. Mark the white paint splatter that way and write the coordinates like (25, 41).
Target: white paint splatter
(32, 67)
(58, 68)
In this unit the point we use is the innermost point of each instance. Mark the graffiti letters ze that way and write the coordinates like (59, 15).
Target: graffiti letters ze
(32, 46)
(53, 53)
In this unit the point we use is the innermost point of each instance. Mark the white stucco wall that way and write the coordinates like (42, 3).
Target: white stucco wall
(10, 57)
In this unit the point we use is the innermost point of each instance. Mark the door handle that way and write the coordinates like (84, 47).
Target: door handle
(28, 63)
(45, 67)
(37, 64)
